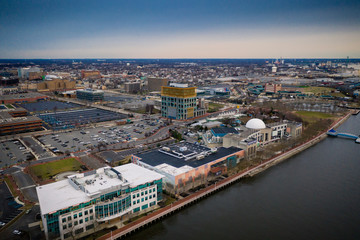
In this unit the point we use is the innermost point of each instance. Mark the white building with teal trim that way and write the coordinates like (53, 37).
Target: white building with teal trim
(69, 208)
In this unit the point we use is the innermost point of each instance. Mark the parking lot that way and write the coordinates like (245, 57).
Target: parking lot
(78, 140)
(13, 152)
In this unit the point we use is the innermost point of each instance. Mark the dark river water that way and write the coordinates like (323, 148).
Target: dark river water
(313, 195)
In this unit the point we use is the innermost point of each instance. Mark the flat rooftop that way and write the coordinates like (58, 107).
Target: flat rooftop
(83, 187)
(184, 156)
(22, 95)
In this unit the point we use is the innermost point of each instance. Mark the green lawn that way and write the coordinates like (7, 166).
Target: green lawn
(214, 107)
(9, 106)
(313, 116)
(323, 91)
(48, 170)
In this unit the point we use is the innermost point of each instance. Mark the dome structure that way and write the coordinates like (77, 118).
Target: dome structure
(255, 123)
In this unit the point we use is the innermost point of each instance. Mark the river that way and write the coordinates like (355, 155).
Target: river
(313, 195)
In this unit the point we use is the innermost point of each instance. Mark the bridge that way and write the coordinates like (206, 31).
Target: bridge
(334, 133)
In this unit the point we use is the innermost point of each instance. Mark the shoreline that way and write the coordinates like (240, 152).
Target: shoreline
(203, 193)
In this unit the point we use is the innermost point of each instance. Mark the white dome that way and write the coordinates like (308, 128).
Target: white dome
(255, 123)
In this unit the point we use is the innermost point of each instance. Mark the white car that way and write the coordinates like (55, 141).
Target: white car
(2, 224)
(16, 232)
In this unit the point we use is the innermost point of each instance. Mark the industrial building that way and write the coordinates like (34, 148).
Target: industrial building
(90, 94)
(78, 206)
(56, 85)
(179, 101)
(22, 97)
(16, 120)
(187, 165)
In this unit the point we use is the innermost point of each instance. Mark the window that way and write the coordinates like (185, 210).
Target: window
(153, 195)
(149, 190)
(80, 214)
(91, 217)
(69, 218)
(69, 225)
(150, 197)
(134, 196)
(75, 216)
(138, 201)
(86, 219)
(142, 193)
(134, 202)
(146, 198)
(75, 223)
(64, 220)
(142, 199)
(145, 192)
(138, 195)
(91, 211)
(81, 221)
(64, 227)
(86, 212)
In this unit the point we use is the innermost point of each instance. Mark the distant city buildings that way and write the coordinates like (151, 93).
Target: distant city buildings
(179, 101)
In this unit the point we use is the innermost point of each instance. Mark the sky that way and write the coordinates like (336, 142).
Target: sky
(179, 29)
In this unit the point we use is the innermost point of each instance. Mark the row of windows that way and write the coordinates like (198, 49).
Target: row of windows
(81, 221)
(144, 192)
(80, 214)
(144, 199)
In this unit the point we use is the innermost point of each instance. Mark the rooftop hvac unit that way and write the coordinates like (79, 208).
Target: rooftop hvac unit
(198, 157)
(166, 149)
(183, 149)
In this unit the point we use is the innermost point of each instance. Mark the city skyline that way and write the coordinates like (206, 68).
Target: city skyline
(179, 29)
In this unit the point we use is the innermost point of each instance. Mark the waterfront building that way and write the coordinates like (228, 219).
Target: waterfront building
(214, 137)
(188, 165)
(72, 207)
(90, 94)
(178, 101)
(258, 133)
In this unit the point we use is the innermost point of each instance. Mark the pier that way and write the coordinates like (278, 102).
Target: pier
(334, 133)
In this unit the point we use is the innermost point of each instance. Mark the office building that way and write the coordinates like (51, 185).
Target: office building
(132, 87)
(16, 120)
(178, 101)
(90, 94)
(155, 84)
(77, 206)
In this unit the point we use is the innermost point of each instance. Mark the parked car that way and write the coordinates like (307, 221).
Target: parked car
(16, 232)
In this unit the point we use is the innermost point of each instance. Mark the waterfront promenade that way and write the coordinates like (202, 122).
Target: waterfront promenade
(170, 209)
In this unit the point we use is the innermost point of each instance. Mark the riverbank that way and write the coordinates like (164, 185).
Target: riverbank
(180, 204)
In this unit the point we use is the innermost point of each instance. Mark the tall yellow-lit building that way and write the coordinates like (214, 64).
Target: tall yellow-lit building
(178, 101)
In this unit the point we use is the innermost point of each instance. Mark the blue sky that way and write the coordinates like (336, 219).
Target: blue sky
(179, 29)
